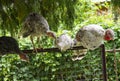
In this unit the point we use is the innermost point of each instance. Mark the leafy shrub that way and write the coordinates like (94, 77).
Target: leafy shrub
(55, 66)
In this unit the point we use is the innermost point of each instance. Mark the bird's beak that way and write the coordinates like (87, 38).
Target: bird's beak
(51, 34)
(24, 57)
(112, 38)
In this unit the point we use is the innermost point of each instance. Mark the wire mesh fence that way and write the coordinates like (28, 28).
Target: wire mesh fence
(54, 66)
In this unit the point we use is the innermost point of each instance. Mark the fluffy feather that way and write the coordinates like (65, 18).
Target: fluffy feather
(64, 42)
(35, 25)
(91, 36)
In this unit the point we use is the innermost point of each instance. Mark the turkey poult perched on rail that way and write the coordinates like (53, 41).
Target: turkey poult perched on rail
(92, 36)
(9, 45)
(36, 25)
(64, 42)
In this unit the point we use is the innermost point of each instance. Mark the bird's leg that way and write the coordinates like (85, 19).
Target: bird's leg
(31, 38)
(38, 42)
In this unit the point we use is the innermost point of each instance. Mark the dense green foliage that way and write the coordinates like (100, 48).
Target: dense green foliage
(115, 3)
(62, 15)
(116, 9)
(56, 12)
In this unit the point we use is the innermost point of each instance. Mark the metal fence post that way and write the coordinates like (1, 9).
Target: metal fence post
(103, 62)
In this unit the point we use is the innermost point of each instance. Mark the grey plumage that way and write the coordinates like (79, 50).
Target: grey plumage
(90, 36)
(35, 25)
(64, 42)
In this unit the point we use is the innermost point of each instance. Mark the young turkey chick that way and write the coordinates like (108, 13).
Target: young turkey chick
(36, 25)
(9, 45)
(92, 36)
(64, 42)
